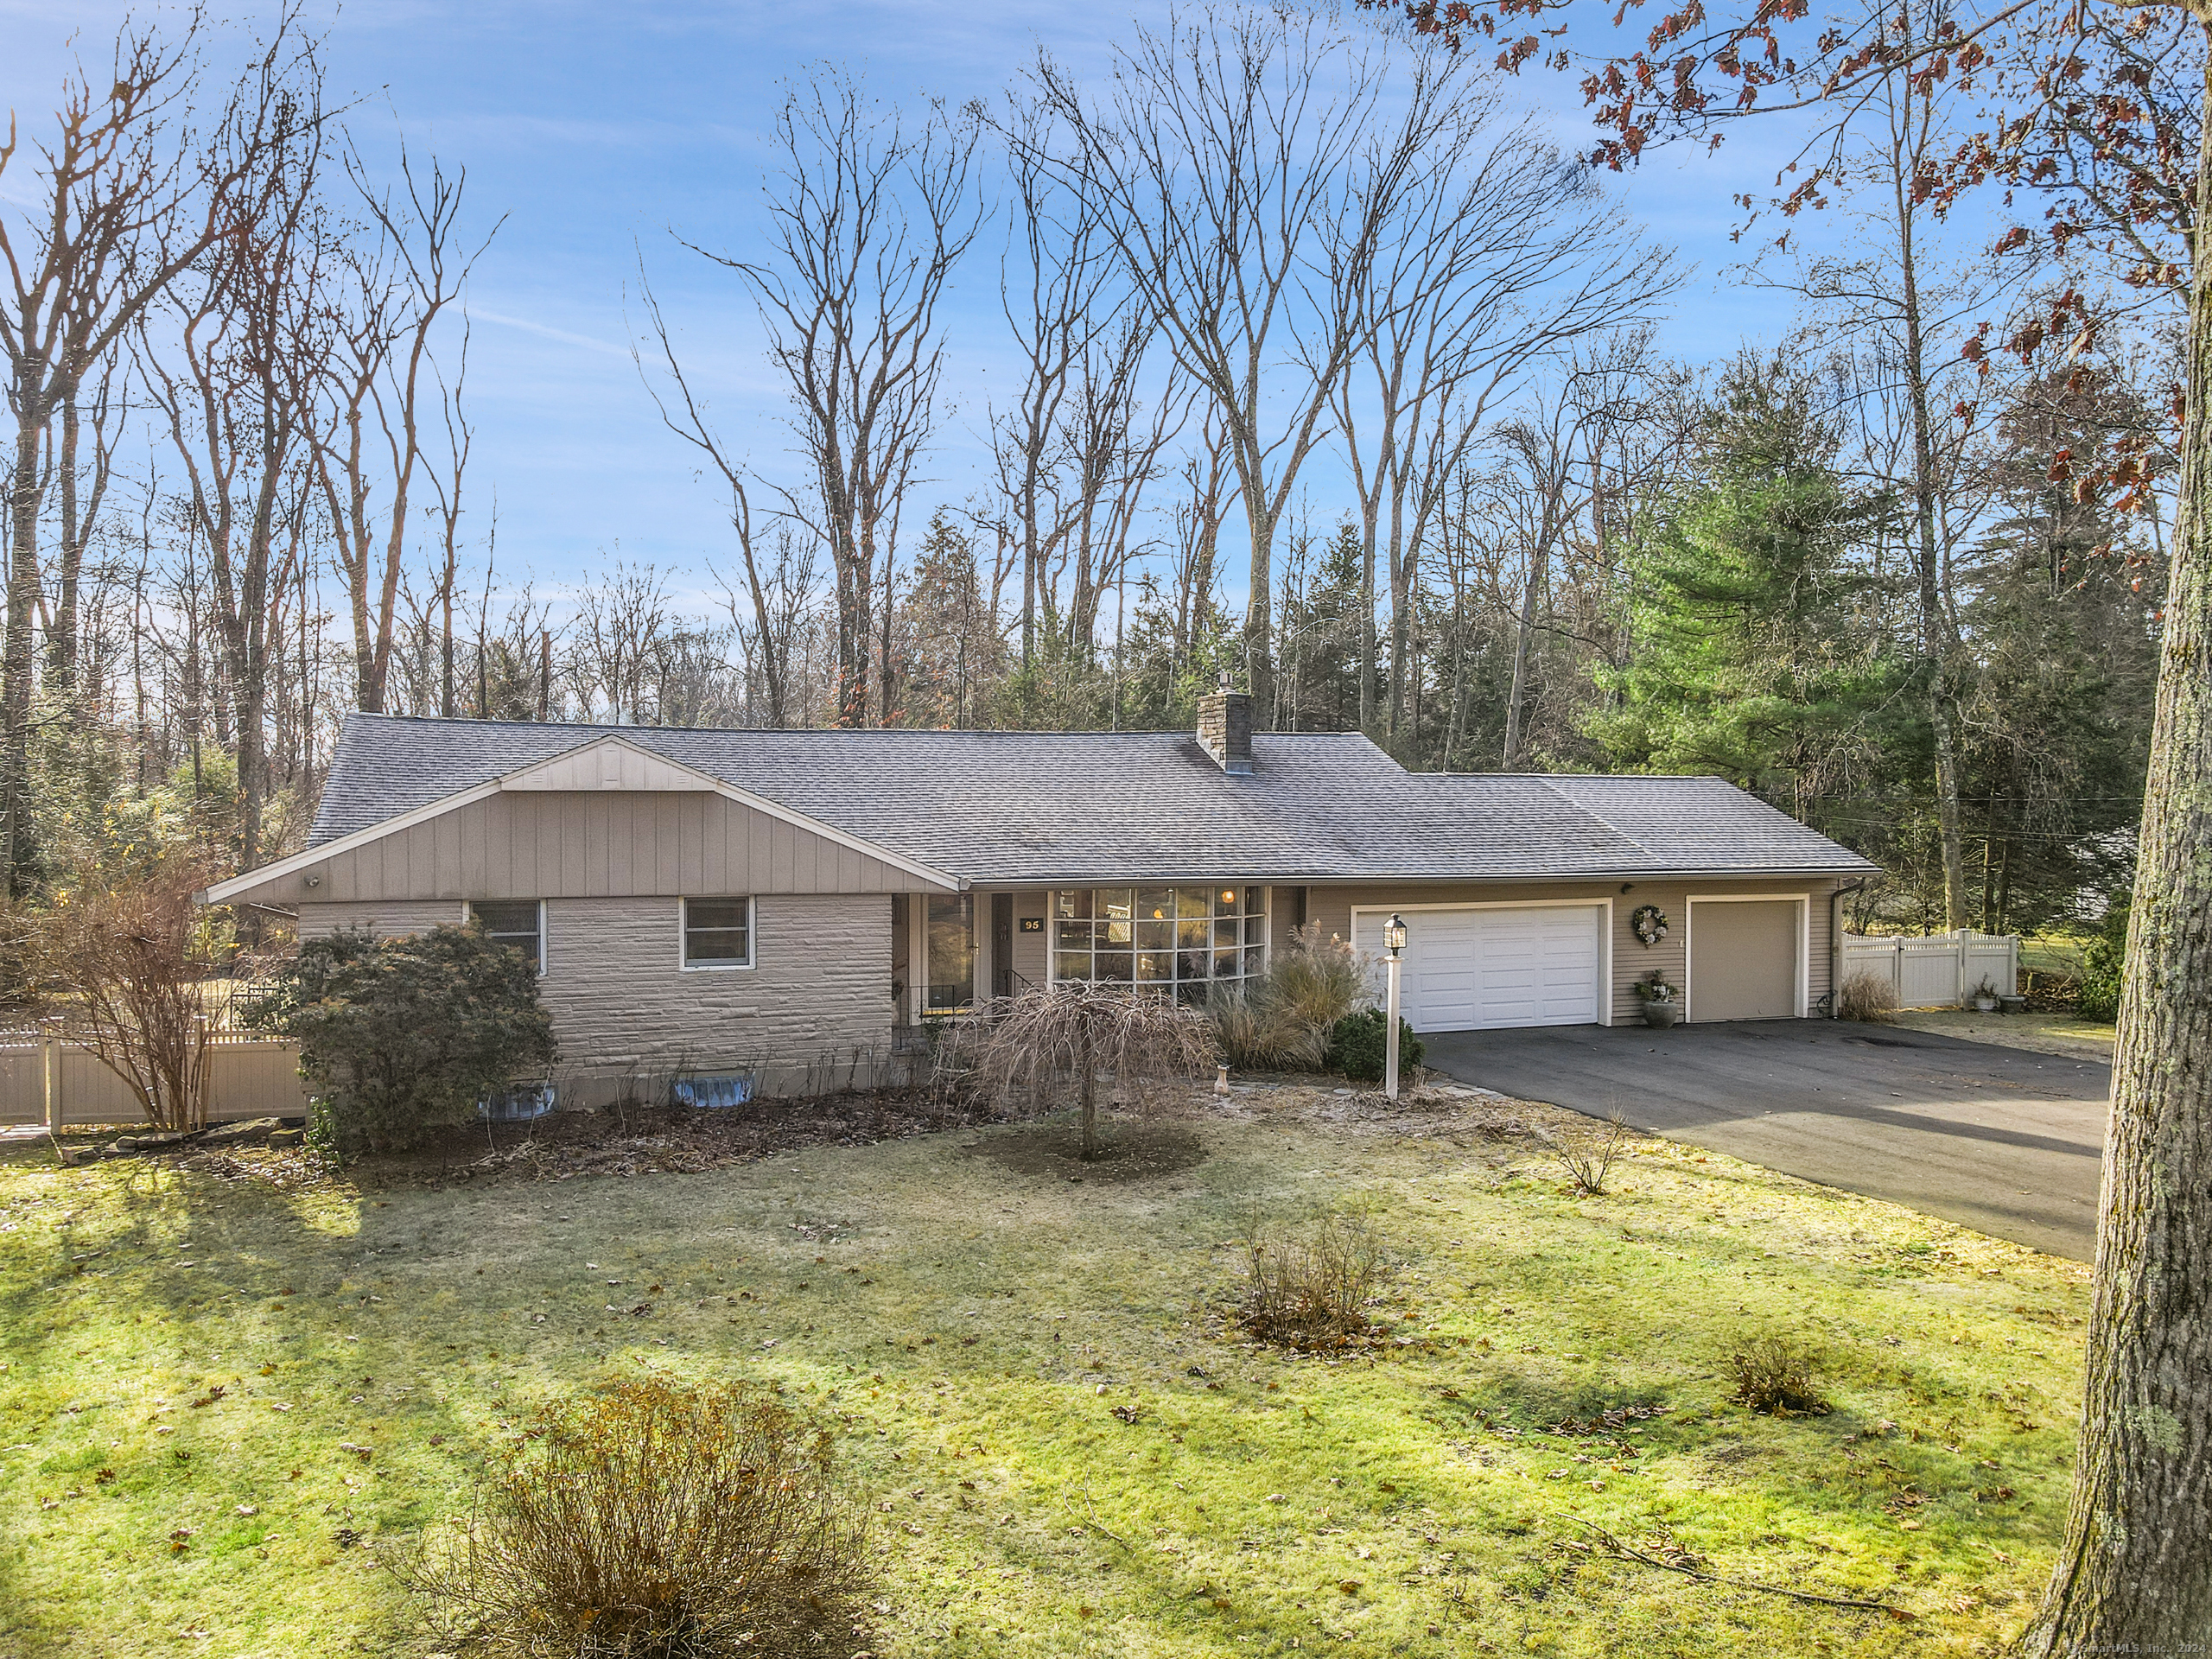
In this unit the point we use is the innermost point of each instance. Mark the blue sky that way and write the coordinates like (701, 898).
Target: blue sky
(595, 128)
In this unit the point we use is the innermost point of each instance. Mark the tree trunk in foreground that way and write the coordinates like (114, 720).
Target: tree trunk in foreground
(2134, 1574)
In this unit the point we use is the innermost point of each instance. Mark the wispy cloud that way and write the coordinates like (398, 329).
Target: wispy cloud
(477, 314)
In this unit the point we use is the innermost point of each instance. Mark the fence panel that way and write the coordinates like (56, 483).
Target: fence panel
(1927, 973)
(246, 1078)
(1938, 970)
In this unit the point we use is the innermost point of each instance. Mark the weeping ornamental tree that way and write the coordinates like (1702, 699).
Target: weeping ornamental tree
(2100, 113)
(1067, 1034)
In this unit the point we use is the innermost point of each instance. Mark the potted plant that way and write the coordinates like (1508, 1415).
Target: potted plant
(1985, 997)
(1660, 1007)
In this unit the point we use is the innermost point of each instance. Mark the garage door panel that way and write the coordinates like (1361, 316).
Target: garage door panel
(1744, 959)
(1476, 970)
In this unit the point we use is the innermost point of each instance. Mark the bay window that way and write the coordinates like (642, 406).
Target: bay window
(1180, 940)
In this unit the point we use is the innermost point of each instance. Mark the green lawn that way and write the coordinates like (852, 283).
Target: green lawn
(211, 1382)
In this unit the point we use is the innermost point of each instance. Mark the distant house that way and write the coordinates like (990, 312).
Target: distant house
(768, 901)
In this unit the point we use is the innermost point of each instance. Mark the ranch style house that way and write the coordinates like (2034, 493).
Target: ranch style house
(780, 904)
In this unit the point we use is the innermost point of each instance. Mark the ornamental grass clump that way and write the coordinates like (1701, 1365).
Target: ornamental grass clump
(1309, 1287)
(1282, 1021)
(1869, 998)
(659, 1521)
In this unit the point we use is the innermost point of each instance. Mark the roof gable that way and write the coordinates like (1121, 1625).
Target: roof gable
(608, 763)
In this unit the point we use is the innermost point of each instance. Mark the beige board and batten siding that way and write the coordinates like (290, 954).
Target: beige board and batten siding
(383, 918)
(546, 844)
(628, 1014)
(1632, 960)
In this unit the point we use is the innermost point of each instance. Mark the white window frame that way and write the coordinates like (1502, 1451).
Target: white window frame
(468, 915)
(1802, 901)
(1266, 918)
(751, 937)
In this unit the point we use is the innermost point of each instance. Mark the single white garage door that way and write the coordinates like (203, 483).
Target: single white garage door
(1478, 970)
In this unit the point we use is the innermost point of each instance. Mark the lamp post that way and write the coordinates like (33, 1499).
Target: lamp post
(1393, 935)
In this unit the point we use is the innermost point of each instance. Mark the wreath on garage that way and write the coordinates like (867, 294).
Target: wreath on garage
(1649, 923)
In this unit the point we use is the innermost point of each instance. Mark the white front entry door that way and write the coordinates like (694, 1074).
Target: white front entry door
(1478, 970)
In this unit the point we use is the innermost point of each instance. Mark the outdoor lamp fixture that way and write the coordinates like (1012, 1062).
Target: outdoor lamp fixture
(1393, 935)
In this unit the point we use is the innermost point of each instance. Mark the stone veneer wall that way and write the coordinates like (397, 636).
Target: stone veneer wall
(813, 1013)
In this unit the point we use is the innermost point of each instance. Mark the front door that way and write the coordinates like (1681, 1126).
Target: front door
(1002, 944)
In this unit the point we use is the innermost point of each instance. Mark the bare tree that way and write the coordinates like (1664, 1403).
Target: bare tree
(402, 277)
(621, 627)
(232, 360)
(1053, 290)
(1489, 265)
(124, 202)
(129, 959)
(766, 637)
(1895, 321)
(1245, 169)
(867, 220)
(446, 482)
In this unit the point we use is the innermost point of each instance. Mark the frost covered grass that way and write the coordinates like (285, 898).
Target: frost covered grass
(229, 1408)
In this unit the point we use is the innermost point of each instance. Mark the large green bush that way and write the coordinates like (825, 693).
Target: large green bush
(2098, 996)
(403, 1036)
(1356, 1046)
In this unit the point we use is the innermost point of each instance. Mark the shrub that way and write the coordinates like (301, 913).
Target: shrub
(1869, 998)
(2097, 991)
(1282, 1021)
(1310, 1286)
(130, 959)
(1774, 1374)
(402, 1036)
(1356, 1046)
(1589, 1163)
(657, 1520)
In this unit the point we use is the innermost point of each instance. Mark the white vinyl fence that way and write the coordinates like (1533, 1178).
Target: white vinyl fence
(1938, 970)
(45, 1080)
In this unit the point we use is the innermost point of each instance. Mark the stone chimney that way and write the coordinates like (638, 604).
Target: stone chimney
(1226, 729)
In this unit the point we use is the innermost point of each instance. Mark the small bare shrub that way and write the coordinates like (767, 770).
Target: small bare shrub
(128, 959)
(1309, 1287)
(657, 1520)
(1589, 1163)
(1867, 997)
(1073, 1032)
(1775, 1375)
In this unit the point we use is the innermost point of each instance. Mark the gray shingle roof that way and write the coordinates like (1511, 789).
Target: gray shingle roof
(1113, 806)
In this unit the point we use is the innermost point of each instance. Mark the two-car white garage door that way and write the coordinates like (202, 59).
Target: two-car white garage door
(1484, 967)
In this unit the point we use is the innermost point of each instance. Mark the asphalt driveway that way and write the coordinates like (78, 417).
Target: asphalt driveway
(2001, 1140)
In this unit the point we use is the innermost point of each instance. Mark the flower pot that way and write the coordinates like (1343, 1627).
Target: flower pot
(1985, 1004)
(1660, 1015)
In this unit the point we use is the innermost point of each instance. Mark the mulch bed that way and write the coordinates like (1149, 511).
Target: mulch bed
(632, 1141)
(653, 1140)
